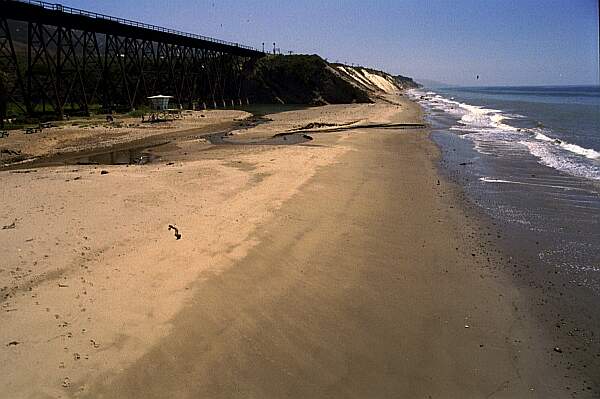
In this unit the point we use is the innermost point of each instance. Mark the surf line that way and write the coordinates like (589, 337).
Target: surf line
(491, 180)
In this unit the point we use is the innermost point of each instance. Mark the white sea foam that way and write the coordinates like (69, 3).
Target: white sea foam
(556, 157)
(542, 137)
(485, 127)
(492, 180)
(574, 148)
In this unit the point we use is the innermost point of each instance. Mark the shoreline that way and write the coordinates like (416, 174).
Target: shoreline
(548, 243)
(266, 295)
(563, 325)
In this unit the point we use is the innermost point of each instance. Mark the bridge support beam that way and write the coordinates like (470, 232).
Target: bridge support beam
(56, 62)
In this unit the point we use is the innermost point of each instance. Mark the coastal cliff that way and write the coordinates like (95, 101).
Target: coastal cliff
(309, 79)
(406, 83)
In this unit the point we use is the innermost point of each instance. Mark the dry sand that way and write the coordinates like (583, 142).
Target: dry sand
(342, 267)
(92, 133)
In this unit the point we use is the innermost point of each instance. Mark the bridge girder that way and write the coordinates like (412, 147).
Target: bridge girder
(67, 66)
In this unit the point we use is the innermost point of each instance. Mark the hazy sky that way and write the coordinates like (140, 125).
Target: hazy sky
(506, 42)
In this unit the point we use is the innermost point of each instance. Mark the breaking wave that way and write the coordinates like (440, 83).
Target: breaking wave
(487, 128)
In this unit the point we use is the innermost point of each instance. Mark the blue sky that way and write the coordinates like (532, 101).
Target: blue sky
(506, 42)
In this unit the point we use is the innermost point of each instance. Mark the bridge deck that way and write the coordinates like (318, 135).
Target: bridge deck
(58, 15)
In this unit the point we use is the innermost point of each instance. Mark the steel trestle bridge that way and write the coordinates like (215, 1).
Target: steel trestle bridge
(60, 59)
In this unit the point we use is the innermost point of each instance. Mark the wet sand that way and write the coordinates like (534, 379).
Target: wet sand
(343, 267)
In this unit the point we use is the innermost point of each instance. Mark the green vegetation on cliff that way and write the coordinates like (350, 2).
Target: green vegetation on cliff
(300, 79)
(406, 82)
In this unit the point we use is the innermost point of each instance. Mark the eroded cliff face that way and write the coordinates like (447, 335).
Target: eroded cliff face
(369, 80)
(300, 79)
(375, 81)
(308, 79)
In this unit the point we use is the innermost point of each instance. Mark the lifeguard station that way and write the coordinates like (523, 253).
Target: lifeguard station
(160, 104)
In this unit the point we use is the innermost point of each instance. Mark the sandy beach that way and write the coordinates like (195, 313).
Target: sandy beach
(342, 266)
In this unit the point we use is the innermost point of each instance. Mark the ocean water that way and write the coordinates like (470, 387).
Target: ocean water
(530, 158)
(558, 125)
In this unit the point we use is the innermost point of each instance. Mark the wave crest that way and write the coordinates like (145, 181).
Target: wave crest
(486, 127)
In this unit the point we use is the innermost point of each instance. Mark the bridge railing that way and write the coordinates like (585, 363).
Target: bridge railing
(91, 14)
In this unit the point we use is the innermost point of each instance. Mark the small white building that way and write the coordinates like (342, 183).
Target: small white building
(160, 102)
